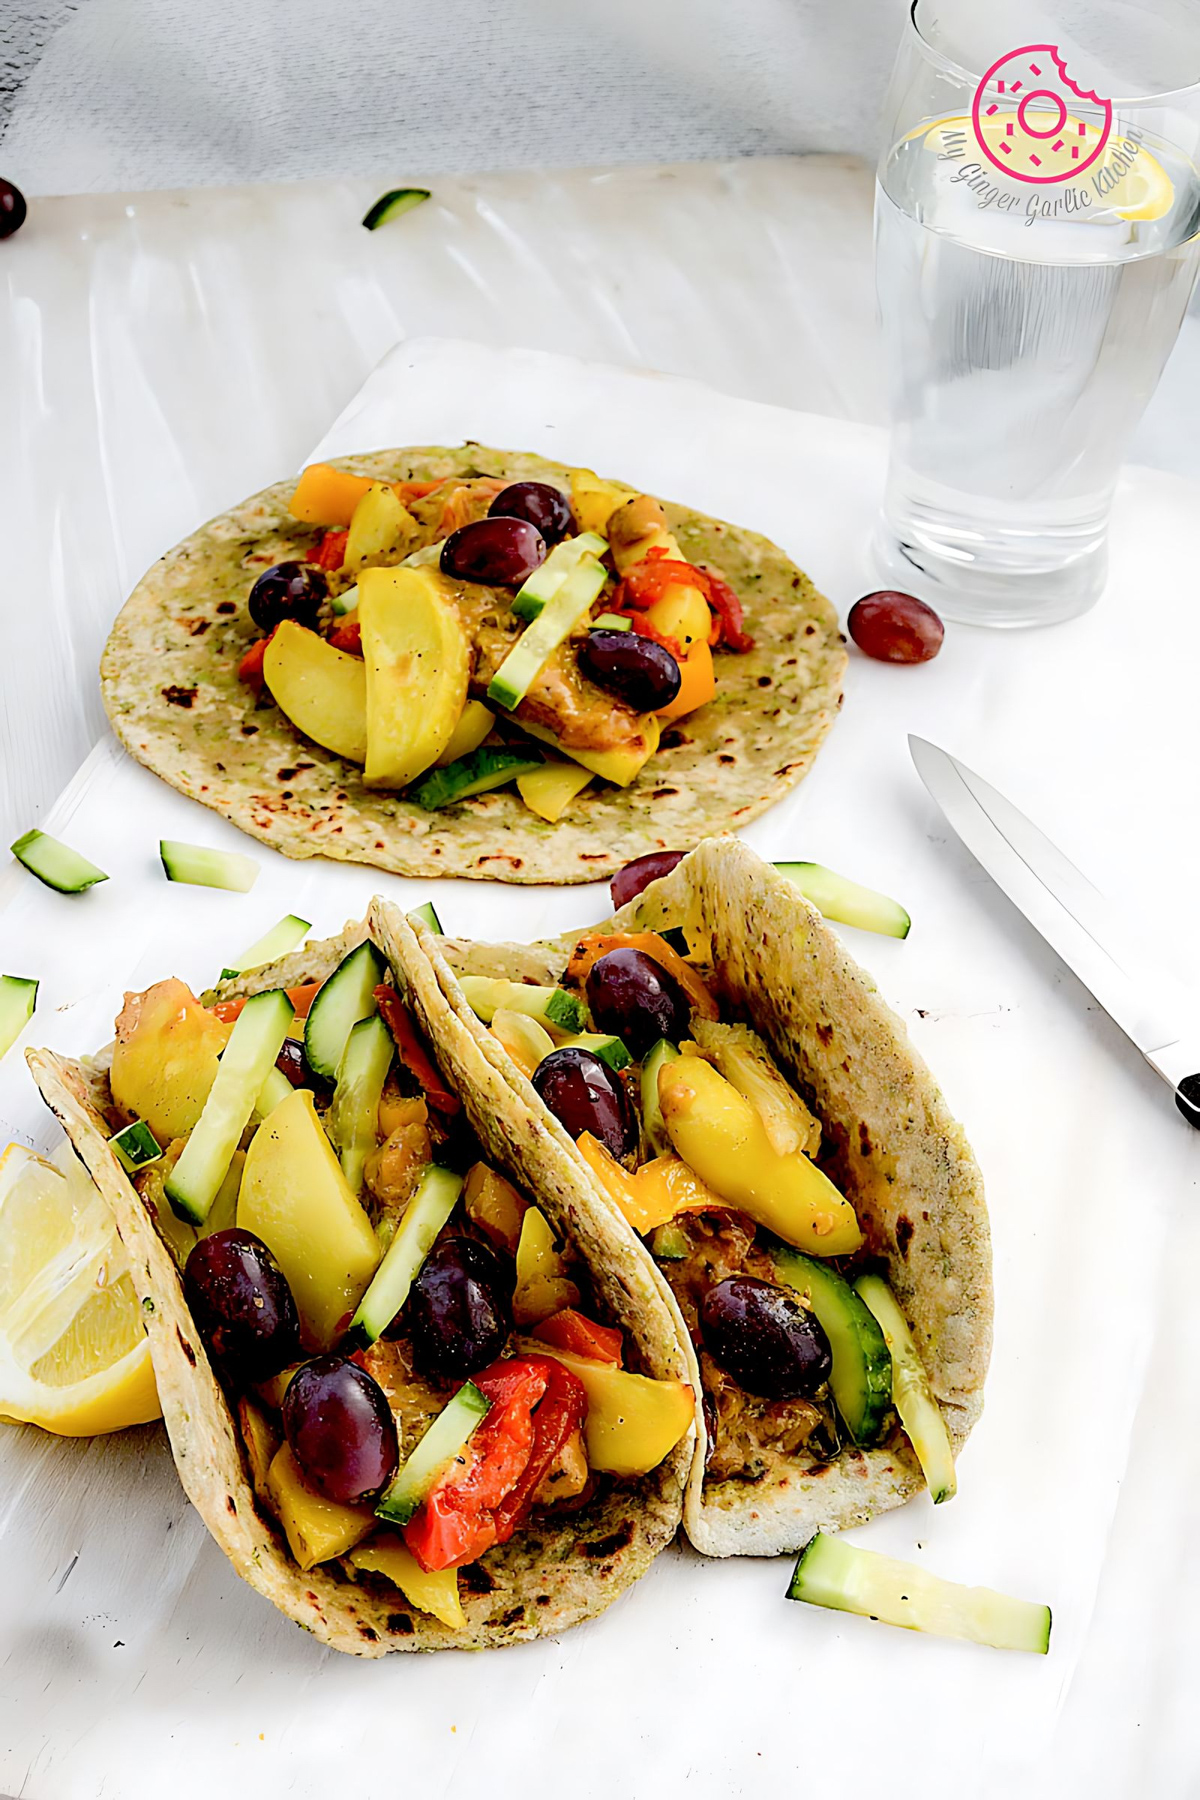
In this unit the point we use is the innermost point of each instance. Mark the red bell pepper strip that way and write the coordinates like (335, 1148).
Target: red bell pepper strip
(728, 609)
(648, 580)
(412, 1051)
(300, 997)
(533, 1413)
(348, 637)
(642, 627)
(330, 553)
(580, 1336)
(250, 669)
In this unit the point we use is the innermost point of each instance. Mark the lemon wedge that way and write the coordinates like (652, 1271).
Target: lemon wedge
(74, 1356)
(1145, 191)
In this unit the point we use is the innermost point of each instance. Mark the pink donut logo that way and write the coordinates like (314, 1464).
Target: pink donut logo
(1023, 122)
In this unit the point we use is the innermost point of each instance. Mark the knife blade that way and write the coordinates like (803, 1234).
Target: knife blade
(1073, 916)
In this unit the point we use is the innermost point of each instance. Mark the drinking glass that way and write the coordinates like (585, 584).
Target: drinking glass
(1036, 247)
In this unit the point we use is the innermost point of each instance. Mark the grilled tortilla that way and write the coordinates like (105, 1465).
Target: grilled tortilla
(554, 1572)
(169, 677)
(899, 1158)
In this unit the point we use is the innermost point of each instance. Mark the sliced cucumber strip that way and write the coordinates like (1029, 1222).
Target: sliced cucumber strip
(557, 619)
(18, 997)
(612, 622)
(347, 997)
(488, 994)
(393, 205)
(202, 867)
(272, 944)
(428, 916)
(344, 603)
(247, 1060)
(610, 1050)
(427, 557)
(426, 1213)
(668, 1242)
(861, 1380)
(652, 1120)
(135, 1146)
(352, 1120)
(541, 587)
(846, 901)
(273, 1092)
(56, 864)
(836, 1574)
(484, 769)
(445, 1439)
(912, 1396)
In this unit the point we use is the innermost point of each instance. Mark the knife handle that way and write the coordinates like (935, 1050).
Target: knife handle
(1187, 1099)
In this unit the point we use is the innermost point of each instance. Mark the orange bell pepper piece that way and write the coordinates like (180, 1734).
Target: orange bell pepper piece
(657, 1192)
(300, 997)
(598, 943)
(328, 496)
(698, 683)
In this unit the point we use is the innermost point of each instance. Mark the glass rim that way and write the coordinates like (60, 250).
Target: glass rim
(953, 67)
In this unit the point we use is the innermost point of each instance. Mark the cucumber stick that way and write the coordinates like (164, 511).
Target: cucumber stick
(353, 1117)
(274, 1090)
(611, 1051)
(836, 1574)
(487, 994)
(426, 1213)
(847, 902)
(247, 1060)
(281, 938)
(347, 997)
(199, 866)
(18, 997)
(861, 1378)
(60, 867)
(491, 766)
(652, 1120)
(393, 205)
(428, 916)
(446, 1438)
(135, 1146)
(538, 642)
(541, 587)
(912, 1396)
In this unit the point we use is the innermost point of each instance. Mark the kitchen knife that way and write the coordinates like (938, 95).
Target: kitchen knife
(1073, 916)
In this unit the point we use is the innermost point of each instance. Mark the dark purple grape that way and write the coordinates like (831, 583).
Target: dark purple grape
(637, 875)
(634, 998)
(895, 628)
(762, 1336)
(546, 508)
(340, 1427)
(12, 209)
(585, 1095)
(460, 1309)
(243, 1307)
(291, 590)
(498, 552)
(636, 669)
(293, 1063)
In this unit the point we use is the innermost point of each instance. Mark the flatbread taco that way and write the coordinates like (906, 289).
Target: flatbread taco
(751, 1111)
(415, 1384)
(474, 662)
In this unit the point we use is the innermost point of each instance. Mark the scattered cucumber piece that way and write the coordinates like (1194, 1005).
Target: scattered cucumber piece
(487, 994)
(428, 916)
(274, 943)
(846, 901)
(246, 1061)
(202, 867)
(426, 1213)
(611, 622)
(861, 1381)
(668, 1242)
(486, 768)
(135, 1146)
(274, 1090)
(610, 1050)
(427, 557)
(541, 587)
(446, 1437)
(836, 1574)
(557, 619)
(345, 998)
(652, 1120)
(18, 997)
(912, 1396)
(393, 205)
(344, 603)
(60, 867)
(352, 1120)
